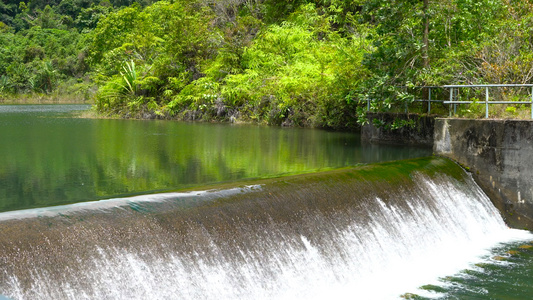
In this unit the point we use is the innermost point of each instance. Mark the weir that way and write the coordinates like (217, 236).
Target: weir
(349, 233)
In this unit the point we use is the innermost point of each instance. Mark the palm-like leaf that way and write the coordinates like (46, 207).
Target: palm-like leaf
(129, 76)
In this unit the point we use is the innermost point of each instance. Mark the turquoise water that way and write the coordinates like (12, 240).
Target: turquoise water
(49, 158)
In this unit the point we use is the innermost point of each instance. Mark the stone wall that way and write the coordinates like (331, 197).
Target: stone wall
(499, 154)
(420, 132)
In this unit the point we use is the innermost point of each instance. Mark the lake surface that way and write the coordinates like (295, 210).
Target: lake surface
(48, 157)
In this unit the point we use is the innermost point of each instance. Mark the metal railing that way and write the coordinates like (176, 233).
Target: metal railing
(429, 100)
(453, 91)
(487, 101)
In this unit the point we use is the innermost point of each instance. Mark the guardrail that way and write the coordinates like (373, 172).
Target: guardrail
(429, 100)
(487, 101)
(453, 91)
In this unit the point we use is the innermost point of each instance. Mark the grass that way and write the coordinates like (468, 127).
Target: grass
(38, 98)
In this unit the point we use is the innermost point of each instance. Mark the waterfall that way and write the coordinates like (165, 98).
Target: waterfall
(344, 234)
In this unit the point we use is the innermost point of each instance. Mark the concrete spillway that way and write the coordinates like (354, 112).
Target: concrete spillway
(372, 232)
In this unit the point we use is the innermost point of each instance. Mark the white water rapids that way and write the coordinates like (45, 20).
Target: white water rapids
(379, 249)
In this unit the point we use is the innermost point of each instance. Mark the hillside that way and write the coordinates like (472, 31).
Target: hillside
(299, 63)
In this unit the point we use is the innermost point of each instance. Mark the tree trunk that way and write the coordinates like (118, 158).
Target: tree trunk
(425, 39)
(425, 49)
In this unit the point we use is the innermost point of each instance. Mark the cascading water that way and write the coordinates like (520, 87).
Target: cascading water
(374, 232)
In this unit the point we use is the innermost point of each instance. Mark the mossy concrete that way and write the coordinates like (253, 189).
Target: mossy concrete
(499, 154)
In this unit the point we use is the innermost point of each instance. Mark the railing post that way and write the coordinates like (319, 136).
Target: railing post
(486, 102)
(455, 104)
(429, 102)
(532, 102)
(451, 100)
(367, 104)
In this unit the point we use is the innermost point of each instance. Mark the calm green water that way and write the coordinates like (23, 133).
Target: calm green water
(49, 158)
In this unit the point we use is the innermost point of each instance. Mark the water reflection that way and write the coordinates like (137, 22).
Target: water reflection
(48, 158)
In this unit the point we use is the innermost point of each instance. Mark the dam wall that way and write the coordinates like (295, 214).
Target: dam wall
(499, 154)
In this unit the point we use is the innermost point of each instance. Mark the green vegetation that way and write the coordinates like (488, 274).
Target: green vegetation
(299, 62)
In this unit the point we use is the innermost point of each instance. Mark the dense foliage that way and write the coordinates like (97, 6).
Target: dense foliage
(298, 62)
